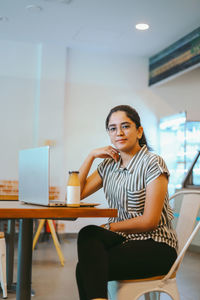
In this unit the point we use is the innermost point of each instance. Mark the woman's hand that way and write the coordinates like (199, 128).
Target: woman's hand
(106, 152)
(92, 183)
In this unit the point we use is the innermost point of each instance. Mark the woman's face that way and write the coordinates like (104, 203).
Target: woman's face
(123, 132)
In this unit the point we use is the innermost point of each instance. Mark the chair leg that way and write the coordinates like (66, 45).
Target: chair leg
(41, 224)
(3, 267)
(154, 296)
(112, 290)
(56, 242)
(54, 236)
(147, 296)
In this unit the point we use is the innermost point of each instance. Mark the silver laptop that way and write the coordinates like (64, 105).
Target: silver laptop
(34, 177)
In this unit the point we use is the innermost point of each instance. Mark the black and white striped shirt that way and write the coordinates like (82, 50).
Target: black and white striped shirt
(125, 189)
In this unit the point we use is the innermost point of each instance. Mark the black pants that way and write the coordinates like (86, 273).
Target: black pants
(102, 257)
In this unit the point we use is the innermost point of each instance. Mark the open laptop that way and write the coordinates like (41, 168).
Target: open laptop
(34, 178)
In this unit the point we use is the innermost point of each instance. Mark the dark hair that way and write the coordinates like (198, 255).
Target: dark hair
(132, 115)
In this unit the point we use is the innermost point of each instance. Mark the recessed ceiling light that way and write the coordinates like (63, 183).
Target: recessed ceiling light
(142, 26)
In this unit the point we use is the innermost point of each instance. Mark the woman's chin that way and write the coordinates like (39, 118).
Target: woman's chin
(121, 148)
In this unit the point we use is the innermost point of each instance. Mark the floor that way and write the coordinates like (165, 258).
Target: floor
(51, 281)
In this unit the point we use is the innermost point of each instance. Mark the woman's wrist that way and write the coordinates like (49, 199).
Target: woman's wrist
(109, 226)
(106, 226)
(112, 227)
(92, 155)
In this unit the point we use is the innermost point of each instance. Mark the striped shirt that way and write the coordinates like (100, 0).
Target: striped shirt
(125, 190)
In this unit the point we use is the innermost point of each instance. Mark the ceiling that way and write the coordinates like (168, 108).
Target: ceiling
(106, 25)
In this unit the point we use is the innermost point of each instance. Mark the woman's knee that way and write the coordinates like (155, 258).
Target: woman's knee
(88, 231)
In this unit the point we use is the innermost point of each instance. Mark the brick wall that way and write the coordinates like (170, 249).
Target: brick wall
(10, 188)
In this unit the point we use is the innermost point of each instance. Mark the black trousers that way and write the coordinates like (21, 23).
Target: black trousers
(102, 257)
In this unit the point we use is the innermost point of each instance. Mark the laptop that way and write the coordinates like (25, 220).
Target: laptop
(34, 178)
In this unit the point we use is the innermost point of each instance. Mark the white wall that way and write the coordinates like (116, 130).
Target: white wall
(51, 107)
(32, 89)
(17, 93)
(96, 83)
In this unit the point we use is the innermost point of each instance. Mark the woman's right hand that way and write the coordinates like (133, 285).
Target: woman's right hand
(92, 183)
(106, 152)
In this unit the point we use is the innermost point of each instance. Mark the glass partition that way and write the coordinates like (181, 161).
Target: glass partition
(179, 145)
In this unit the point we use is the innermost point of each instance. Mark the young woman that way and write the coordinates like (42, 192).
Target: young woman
(140, 242)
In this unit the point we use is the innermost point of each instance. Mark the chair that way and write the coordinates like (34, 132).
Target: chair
(152, 287)
(54, 236)
(3, 264)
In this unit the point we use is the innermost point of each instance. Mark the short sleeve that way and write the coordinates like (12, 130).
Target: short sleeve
(156, 167)
(101, 167)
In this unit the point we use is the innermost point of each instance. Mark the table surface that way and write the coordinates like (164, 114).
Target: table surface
(18, 210)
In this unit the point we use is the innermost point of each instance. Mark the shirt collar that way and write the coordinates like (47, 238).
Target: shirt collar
(134, 161)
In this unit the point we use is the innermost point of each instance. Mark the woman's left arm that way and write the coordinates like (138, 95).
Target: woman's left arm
(155, 197)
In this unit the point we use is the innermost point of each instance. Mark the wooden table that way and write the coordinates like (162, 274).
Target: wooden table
(26, 213)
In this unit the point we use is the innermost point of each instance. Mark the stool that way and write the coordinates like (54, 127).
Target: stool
(3, 264)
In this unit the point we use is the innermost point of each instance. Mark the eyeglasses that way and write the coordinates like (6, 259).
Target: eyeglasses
(125, 127)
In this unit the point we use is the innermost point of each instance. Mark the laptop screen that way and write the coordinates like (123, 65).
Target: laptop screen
(34, 175)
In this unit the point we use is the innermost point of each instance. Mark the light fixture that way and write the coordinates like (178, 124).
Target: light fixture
(142, 26)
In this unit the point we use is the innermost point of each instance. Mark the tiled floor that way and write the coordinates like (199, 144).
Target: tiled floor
(51, 281)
